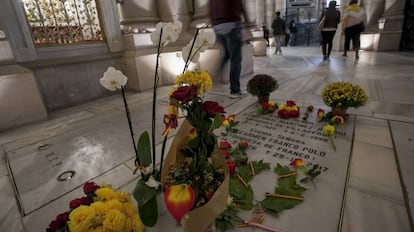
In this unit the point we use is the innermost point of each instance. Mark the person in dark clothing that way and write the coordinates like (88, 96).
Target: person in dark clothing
(293, 29)
(226, 19)
(332, 19)
(278, 27)
(265, 34)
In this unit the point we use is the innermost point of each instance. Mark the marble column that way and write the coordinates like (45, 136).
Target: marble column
(280, 5)
(260, 12)
(373, 10)
(137, 14)
(270, 12)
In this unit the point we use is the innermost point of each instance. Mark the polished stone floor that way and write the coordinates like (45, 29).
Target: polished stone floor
(379, 191)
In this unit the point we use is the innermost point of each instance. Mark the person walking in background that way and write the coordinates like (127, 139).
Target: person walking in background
(278, 27)
(332, 19)
(352, 23)
(265, 33)
(226, 19)
(293, 29)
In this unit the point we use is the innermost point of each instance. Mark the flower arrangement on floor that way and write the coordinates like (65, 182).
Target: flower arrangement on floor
(148, 184)
(267, 107)
(101, 209)
(261, 85)
(342, 95)
(290, 110)
(329, 129)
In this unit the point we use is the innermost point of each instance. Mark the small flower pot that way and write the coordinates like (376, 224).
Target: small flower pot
(339, 112)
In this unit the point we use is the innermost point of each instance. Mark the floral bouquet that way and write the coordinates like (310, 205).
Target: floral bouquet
(101, 209)
(195, 175)
(290, 110)
(343, 95)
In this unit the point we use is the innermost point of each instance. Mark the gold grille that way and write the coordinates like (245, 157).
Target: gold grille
(56, 22)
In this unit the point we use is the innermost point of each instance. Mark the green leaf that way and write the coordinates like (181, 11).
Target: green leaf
(143, 193)
(144, 149)
(241, 195)
(228, 219)
(147, 203)
(149, 212)
(281, 170)
(217, 121)
(260, 166)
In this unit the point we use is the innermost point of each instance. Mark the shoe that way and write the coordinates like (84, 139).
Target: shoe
(357, 56)
(238, 95)
(325, 57)
(344, 55)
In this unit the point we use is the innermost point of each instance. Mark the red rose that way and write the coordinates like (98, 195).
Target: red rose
(212, 108)
(294, 113)
(75, 203)
(225, 145)
(265, 105)
(86, 200)
(283, 113)
(244, 144)
(59, 223)
(225, 152)
(90, 188)
(184, 93)
(290, 103)
(232, 167)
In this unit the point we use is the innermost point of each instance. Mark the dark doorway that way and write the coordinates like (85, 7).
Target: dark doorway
(407, 38)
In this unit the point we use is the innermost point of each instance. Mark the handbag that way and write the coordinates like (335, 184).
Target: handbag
(322, 23)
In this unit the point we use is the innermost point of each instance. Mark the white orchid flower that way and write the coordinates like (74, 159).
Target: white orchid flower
(113, 79)
(152, 183)
(204, 40)
(170, 33)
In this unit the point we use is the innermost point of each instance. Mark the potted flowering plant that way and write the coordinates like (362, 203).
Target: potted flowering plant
(342, 95)
(261, 85)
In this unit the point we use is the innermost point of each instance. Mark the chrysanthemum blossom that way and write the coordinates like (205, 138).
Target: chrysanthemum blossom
(113, 79)
(170, 33)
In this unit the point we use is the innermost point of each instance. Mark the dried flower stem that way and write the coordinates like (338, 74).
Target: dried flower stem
(242, 181)
(285, 196)
(252, 169)
(258, 225)
(289, 174)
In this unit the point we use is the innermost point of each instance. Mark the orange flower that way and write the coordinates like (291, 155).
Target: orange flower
(297, 163)
(231, 117)
(179, 200)
(321, 113)
(338, 119)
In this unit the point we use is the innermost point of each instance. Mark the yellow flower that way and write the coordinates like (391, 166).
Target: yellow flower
(100, 208)
(105, 194)
(114, 221)
(81, 219)
(328, 130)
(282, 106)
(137, 225)
(201, 79)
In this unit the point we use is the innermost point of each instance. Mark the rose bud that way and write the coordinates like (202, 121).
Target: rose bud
(297, 163)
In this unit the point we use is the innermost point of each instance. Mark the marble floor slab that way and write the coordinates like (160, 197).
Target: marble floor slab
(403, 134)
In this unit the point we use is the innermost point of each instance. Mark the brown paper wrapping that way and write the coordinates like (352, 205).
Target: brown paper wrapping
(198, 219)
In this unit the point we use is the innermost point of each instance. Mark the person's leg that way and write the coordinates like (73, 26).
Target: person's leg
(292, 39)
(235, 43)
(330, 35)
(277, 43)
(221, 39)
(347, 41)
(356, 43)
(324, 42)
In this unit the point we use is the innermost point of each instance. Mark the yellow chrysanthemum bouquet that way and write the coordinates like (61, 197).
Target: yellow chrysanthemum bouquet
(102, 209)
(342, 95)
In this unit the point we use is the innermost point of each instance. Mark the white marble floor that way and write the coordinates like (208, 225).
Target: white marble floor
(380, 189)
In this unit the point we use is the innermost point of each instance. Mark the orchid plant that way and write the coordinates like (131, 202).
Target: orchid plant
(145, 153)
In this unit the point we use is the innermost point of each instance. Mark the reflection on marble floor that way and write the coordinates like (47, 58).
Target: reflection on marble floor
(380, 190)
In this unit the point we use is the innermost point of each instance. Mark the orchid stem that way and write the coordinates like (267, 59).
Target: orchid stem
(154, 101)
(137, 162)
(191, 50)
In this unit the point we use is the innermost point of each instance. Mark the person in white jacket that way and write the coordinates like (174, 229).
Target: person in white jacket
(352, 24)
